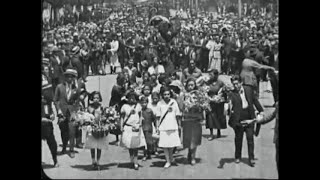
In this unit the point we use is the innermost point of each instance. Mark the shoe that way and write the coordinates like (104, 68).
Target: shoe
(144, 158)
(218, 135)
(210, 138)
(136, 166)
(64, 151)
(251, 162)
(56, 164)
(80, 146)
(94, 165)
(193, 162)
(167, 165)
(237, 161)
(72, 154)
(156, 153)
(189, 158)
(174, 162)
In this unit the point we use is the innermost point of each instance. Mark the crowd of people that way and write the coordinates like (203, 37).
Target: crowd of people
(153, 112)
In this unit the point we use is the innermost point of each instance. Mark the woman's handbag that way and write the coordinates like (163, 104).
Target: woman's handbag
(155, 135)
(135, 139)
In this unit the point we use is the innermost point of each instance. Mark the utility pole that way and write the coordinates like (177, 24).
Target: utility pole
(197, 4)
(239, 8)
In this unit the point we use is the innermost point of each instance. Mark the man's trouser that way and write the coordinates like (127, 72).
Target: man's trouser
(274, 85)
(68, 133)
(239, 131)
(47, 134)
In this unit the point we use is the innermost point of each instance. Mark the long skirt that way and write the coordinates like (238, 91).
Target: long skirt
(192, 132)
(216, 118)
(114, 60)
(131, 139)
(169, 139)
(215, 63)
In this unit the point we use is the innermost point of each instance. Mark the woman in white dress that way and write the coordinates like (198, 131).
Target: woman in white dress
(114, 61)
(168, 123)
(93, 143)
(215, 54)
(131, 125)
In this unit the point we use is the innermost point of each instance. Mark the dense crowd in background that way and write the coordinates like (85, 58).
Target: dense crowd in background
(163, 92)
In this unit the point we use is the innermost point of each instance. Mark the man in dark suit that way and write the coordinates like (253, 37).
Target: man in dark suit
(149, 52)
(76, 62)
(67, 100)
(274, 115)
(274, 62)
(243, 101)
(57, 70)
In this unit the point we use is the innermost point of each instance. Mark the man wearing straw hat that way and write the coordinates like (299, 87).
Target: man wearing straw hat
(56, 64)
(67, 100)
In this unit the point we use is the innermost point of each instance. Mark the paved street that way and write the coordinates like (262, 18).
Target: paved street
(215, 158)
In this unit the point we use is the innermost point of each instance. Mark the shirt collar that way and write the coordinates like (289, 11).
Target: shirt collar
(241, 90)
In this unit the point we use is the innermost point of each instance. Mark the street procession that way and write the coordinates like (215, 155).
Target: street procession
(160, 89)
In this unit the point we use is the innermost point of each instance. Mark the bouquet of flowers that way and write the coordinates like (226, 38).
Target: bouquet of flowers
(196, 99)
(113, 120)
(99, 131)
(83, 118)
(137, 88)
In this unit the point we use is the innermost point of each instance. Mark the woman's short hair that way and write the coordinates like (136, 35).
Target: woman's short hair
(144, 99)
(162, 78)
(121, 78)
(144, 87)
(132, 94)
(189, 80)
(164, 89)
(214, 71)
(95, 93)
(175, 74)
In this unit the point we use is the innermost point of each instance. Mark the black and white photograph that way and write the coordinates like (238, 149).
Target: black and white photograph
(160, 89)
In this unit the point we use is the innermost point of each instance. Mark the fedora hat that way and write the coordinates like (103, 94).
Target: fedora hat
(72, 72)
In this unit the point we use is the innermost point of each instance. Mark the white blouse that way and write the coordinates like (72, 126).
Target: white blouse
(134, 118)
(170, 121)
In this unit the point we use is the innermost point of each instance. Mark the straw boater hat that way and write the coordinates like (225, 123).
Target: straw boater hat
(75, 50)
(55, 49)
(45, 61)
(72, 72)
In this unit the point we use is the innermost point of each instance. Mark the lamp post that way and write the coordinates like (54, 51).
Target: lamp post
(239, 8)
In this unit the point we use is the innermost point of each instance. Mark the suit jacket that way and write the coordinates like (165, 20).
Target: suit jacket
(148, 56)
(61, 100)
(236, 105)
(57, 67)
(273, 115)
